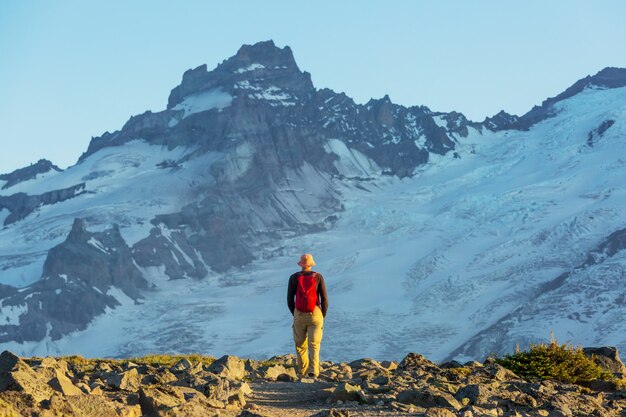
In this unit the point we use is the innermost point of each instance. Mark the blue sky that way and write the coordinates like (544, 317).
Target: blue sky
(70, 70)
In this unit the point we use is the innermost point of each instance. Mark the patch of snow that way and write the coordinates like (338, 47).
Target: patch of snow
(250, 67)
(97, 244)
(274, 95)
(351, 162)
(440, 121)
(204, 101)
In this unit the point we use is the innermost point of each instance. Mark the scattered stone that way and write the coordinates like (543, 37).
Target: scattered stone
(229, 366)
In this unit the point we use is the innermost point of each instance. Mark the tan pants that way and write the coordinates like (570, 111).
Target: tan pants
(307, 334)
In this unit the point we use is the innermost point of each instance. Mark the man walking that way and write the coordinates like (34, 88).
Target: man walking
(308, 302)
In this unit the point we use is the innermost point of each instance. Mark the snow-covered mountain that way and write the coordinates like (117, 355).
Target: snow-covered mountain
(435, 234)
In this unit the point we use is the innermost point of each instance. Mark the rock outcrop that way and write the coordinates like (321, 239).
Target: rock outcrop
(606, 78)
(21, 205)
(78, 277)
(28, 173)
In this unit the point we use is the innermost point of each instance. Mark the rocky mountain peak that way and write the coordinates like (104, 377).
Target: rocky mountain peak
(257, 71)
(265, 53)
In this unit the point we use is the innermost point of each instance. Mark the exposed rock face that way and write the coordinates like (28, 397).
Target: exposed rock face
(21, 205)
(500, 121)
(275, 130)
(77, 276)
(28, 173)
(272, 102)
(598, 132)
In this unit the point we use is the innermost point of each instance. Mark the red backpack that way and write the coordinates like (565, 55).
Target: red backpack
(306, 294)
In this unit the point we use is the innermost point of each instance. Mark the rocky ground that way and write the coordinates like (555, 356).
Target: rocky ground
(229, 386)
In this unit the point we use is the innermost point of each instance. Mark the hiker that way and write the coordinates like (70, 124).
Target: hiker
(308, 302)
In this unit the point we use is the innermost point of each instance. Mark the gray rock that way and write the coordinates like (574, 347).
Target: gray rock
(127, 381)
(182, 365)
(475, 393)
(428, 397)
(229, 366)
(347, 392)
(278, 372)
(160, 398)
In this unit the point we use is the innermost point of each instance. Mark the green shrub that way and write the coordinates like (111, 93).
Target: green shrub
(554, 361)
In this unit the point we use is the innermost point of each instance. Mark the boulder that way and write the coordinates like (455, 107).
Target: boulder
(16, 375)
(80, 406)
(474, 393)
(608, 358)
(428, 397)
(347, 392)
(127, 381)
(278, 372)
(223, 391)
(181, 366)
(195, 407)
(415, 361)
(389, 365)
(154, 400)
(337, 372)
(498, 372)
(229, 366)
(62, 384)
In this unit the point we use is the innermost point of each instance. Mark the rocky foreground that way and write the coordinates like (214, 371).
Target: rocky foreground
(196, 386)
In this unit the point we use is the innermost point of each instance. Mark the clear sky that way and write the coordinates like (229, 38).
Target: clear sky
(70, 70)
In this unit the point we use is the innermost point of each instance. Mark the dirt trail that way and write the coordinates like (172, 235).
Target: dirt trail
(298, 399)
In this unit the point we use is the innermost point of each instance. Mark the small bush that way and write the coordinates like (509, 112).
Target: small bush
(555, 361)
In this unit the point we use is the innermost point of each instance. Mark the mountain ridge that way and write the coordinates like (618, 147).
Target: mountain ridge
(250, 163)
